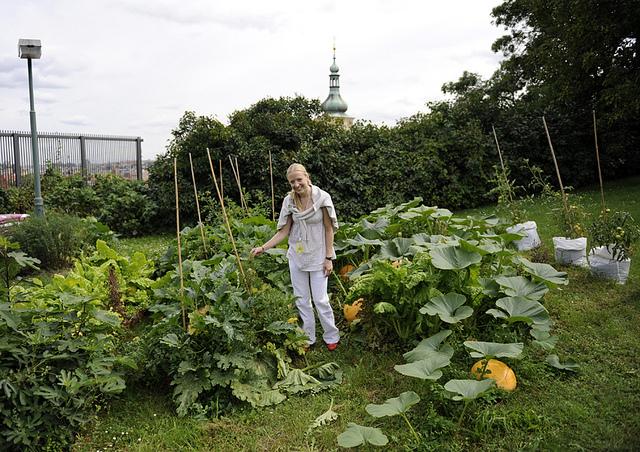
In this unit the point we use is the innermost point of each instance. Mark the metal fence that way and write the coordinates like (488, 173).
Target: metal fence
(70, 154)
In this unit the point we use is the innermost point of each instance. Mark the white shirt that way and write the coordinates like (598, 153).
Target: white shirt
(307, 239)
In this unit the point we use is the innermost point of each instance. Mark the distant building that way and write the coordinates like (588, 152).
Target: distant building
(334, 105)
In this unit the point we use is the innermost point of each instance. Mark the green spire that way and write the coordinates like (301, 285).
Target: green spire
(334, 105)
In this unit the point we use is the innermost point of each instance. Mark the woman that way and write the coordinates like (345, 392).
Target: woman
(309, 219)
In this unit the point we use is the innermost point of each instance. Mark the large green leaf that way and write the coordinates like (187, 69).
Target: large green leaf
(542, 272)
(357, 435)
(396, 248)
(384, 308)
(468, 389)
(490, 350)
(450, 307)
(256, 396)
(519, 309)
(417, 212)
(519, 286)
(10, 318)
(543, 339)
(453, 258)
(394, 406)
(569, 365)
(298, 381)
(374, 230)
(429, 347)
(359, 240)
(474, 247)
(425, 369)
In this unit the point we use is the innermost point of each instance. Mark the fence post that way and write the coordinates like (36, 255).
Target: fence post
(83, 158)
(17, 167)
(139, 157)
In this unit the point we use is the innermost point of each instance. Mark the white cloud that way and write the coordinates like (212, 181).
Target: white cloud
(132, 67)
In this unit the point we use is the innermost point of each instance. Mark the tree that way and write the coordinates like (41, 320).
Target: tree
(568, 58)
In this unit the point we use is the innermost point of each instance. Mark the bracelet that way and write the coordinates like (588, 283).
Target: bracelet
(328, 258)
(263, 249)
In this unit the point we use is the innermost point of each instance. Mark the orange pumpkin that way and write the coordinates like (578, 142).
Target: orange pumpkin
(351, 310)
(503, 375)
(345, 270)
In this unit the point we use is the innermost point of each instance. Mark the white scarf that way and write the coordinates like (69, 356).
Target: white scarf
(319, 198)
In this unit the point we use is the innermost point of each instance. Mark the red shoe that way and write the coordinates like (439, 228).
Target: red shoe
(332, 347)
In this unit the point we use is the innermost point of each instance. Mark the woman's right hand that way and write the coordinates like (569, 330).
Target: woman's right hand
(257, 251)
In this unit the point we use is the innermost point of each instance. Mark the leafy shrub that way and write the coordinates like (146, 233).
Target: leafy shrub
(123, 204)
(68, 194)
(235, 346)
(59, 362)
(57, 238)
(21, 198)
(5, 202)
(12, 262)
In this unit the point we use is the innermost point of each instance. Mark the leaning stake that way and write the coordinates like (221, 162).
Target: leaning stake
(555, 162)
(504, 171)
(273, 199)
(595, 135)
(226, 220)
(175, 179)
(195, 193)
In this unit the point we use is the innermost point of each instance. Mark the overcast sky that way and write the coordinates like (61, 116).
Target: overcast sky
(133, 67)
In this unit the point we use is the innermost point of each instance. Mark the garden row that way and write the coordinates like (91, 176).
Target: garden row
(447, 290)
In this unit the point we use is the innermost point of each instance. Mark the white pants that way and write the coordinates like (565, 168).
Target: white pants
(309, 286)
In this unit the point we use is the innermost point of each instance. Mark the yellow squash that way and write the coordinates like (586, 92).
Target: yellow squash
(503, 375)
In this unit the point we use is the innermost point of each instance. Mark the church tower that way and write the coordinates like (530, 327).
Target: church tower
(334, 105)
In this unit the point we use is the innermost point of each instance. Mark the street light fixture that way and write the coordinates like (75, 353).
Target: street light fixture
(32, 49)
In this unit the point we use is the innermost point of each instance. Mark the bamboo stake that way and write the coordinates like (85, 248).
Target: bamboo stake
(555, 162)
(221, 186)
(237, 177)
(226, 219)
(595, 135)
(244, 201)
(498, 146)
(175, 179)
(273, 199)
(195, 193)
(504, 171)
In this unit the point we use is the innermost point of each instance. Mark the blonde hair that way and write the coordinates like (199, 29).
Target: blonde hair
(297, 167)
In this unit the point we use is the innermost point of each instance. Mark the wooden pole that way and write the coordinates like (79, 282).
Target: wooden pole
(195, 193)
(237, 178)
(498, 146)
(175, 179)
(221, 185)
(555, 162)
(595, 135)
(273, 199)
(504, 170)
(226, 219)
(244, 201)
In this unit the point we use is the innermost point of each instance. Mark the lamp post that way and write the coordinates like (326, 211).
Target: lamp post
(32, 49)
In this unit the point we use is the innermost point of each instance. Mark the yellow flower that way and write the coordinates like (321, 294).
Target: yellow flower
(351, 310)
(292, 320)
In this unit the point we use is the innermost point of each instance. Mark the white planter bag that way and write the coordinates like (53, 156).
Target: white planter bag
(571, 251)
(531, 241)
(603, 264)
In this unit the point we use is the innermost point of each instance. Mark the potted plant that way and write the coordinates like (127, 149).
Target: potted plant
(570, 218)
(513, 209)
(613, 236)
(571, 248)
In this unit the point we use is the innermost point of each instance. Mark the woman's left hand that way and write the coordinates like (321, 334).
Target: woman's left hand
(328, 267)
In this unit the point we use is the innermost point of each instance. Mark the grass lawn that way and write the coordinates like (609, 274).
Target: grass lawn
(597, 408)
